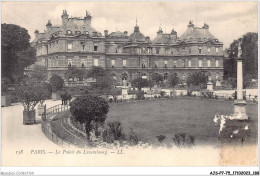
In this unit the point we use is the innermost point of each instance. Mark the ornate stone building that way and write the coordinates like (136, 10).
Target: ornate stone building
(77, 43)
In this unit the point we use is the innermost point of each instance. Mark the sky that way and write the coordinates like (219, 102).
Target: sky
(227, 20)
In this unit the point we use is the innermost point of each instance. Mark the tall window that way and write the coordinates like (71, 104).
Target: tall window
(183, 49)
(165, 76)
(113, 63)
(69, 45)
(189, 50)
(216, 49)
(165, 63)
(208, 49)
(83, 47)
(157, 50)
(156, 64)
(189, 63)
(200, 48)
(208, 63)
(217, 63)
(200, 63)
(95, 48)
(124, 63)
(69, 62)
(95, 62)
(174, 63)
(83, 63)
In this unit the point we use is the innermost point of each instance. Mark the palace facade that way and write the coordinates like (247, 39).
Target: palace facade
(126, 57)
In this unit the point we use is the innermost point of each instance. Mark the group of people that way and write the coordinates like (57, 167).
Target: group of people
(65, 97)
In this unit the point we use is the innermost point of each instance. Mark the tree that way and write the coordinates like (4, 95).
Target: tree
(105, 83)
(89, 110)
(249, 48)
(16, 51)
(56, 83)
(197, 80)
(139, 83)
(39, 73)
(173, 80)
(96, 72)
(157, 78)
(74, 72)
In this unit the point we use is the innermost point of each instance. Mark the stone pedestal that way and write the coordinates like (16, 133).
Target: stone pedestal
(240, 110)
(124, 90)
(218, 83)
(210, 86)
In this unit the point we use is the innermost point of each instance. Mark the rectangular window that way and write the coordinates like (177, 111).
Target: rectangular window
(217, 63)
(124, 63)
(95, 62)
(156, 64)
(157, 50)
(83, 47)
(189, 63)
(200, 63)
(183, 49)
(208, 63)
(208, 49)
(174, 63)
(199, 51)
(83, 63)
(69, 62)
(95, 48)
(216, 49)
(70, 46)
(113, 62)
(189, 50)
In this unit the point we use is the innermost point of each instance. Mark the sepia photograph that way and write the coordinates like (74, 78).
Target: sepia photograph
(129, 83)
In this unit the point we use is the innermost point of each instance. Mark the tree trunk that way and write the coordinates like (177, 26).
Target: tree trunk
(87, 125)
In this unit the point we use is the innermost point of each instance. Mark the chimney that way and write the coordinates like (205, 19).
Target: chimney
(125, 32)
(48, 25)
(106, 33)
(94, 34)
(206, 26)
(190, 25)
(36, 33)
(160, 31)
(147, 39)
(173, 34)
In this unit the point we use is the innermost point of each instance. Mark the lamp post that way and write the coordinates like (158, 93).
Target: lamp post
(239, 103)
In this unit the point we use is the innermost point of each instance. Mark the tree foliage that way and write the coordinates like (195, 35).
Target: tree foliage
(139, 83)
(96, 72)
(39, 73)
(16, 51)
(173, 80)
(249, 48)
(29, 95)
(74, 72)
(89, 110)
(56, 83)
(157, 78)
(197, 79)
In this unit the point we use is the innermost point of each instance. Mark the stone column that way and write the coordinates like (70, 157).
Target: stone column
(239, 80)
(239, 103)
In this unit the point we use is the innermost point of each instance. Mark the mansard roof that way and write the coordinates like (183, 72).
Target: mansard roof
(117, 34)
(196, 34)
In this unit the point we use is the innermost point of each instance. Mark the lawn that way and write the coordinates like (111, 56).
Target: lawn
(169, 117)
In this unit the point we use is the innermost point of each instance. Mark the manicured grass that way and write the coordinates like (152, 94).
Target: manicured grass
(169, 117)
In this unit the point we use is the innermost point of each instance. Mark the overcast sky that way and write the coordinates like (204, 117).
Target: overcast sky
(227, 20)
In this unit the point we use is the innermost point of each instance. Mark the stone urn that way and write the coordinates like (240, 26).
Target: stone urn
(29, 117)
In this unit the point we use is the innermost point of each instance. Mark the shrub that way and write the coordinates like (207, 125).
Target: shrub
(56, 83)
(139, 95)
(162, 93)
(161, 138)
(181, 139)
(116, 130)
(133, 138)
(108, 136)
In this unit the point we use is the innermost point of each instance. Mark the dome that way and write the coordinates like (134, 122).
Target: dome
(137, 36)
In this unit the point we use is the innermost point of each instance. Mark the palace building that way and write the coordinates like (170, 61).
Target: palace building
(128, 56)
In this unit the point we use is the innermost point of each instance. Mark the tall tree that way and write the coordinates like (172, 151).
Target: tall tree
(249, 48)
(139, 83)
(16, 51)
